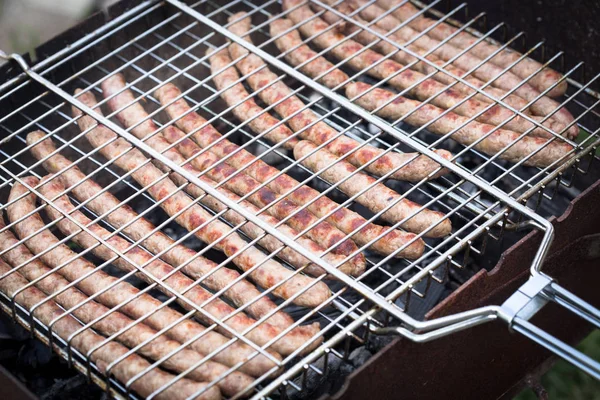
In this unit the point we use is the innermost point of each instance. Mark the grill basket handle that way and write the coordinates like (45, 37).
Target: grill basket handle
(530, 298)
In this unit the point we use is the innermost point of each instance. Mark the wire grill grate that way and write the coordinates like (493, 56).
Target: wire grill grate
(159, 42)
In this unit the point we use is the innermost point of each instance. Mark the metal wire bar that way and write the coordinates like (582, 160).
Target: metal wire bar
(353, 196)
(491, 159)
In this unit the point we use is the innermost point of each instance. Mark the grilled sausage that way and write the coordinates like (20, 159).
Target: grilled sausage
(353, 267)
(536, 151)
(298, 53)
(546, 78)
(243, 292)
(489, 72)
(47, 311)
(298, 218)
(291, 107)
(272, 244)
(403, 243)
(418, 114)
(144, 306)
(176, 281)
(403, 166)
(265, 272)
(122, 216)
(385, 48)
(378, 196)
(415, 82)
(344, 219)
(269, 274)
(110, 323)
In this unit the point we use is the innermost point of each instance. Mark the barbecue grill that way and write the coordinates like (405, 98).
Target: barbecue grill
(503, 213)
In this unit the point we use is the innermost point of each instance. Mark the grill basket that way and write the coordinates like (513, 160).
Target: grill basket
(490, 202)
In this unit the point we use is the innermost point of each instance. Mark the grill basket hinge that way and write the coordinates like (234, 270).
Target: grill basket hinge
(528, 300)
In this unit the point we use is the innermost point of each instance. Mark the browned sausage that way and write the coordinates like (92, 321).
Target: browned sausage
(299, 53)
(299, 218)
(121, 216)
(110, 323)
(292, 106)
(378, 196)
(418, 114)
(242, 293)
(119, 291)
(487, 71)
(143, 305)
(545, 79)
(385, 48)
(344, 219)
(402, 166)
(47, 311)
(536, 151)
(371, 62)
(269, 242)
(176, 281)
(403, 243)
(268, 274)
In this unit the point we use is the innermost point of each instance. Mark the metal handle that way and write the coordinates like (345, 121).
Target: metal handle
(558, 347)
(530, 298)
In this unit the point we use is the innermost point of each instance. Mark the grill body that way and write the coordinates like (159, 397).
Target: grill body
(489, 361)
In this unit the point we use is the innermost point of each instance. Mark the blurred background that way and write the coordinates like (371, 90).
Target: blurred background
(24, 24)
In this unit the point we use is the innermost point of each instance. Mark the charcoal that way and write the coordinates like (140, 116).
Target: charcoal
(318, 384)
(11, 331)
(34, 354)
(345, 370)
(359, 356)
(63, 386)
(378, 342)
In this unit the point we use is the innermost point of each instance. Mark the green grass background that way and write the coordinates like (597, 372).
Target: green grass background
(566, 382)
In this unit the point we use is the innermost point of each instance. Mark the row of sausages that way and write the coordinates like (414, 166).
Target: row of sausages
(163, 186)
(313, 220)
(176, 266)
(492, 129)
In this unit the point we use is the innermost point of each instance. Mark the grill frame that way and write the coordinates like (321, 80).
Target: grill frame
(502, 371)
(418, 146)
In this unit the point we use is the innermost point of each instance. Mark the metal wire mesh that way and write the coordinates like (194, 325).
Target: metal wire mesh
(155, 43)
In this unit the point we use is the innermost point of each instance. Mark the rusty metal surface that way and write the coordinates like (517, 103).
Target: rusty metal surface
(488, 360)
(532, 381)
(11, 388)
